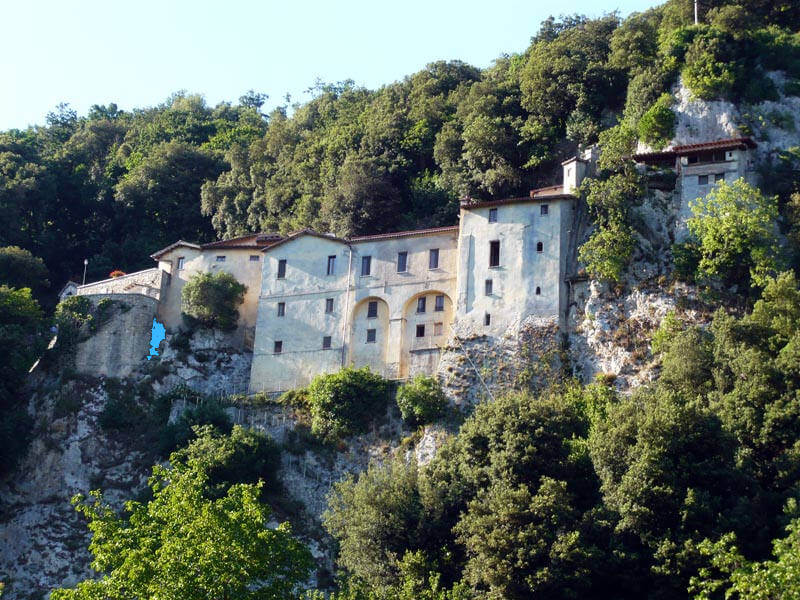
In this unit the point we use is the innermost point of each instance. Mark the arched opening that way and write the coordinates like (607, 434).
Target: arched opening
(427, 317)
(538, 291)
(539, 247)
(369, 334)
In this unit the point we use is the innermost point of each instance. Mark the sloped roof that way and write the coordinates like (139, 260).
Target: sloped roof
(399, 234)
(740, 143)
(553, 192)
(304, 232)
(255, 241)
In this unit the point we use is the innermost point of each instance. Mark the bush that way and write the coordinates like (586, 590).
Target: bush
(21, 269)
(213, 299)
(710, 73)
(657, 125)
(344, 403)
(421, 400)
(116, 273)
(182, 431)
(72, 314)
(608, 251)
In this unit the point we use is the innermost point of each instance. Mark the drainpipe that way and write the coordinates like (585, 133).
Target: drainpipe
(346, 304)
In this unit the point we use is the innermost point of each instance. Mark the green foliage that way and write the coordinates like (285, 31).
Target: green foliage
(21, 269)
(618, 144)
(344, 403)
(657, 125)
(179, 433)
(421, 400)
(70, 316)
(213, 299)
(665, 334)
(194, 539)
(735, 226)
(709, 71)
(607, 252)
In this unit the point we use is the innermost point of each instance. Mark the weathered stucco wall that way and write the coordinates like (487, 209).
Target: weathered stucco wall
(147, 282)
(122, 342)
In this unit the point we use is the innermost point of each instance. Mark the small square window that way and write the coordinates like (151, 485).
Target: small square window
(331, 265)
(278, 347)
(719, 177)
(402, 262)
(254, 258)
(371, 336)
(438, 328)
(181, 262)
(438, 305)
(433, 258)
(544, 210)
(372, 309)
(421, 304)
(702, 180)
(282, 268)
(281, 308)
(326, 342)
(366, 265)
(494, 253)
(221, 258)
(492, 215)
(538, 291)
(487, 287)
(487, 319)
(328, 305)
(420, 331)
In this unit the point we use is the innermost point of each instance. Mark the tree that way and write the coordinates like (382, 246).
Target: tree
(735, 225)
(421, 400)
(21, 269)
(184, 545)
(213, 299)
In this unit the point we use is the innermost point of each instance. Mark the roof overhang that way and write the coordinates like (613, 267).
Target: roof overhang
(179, 243)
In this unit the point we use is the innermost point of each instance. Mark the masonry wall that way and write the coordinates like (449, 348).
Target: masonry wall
(147, 282)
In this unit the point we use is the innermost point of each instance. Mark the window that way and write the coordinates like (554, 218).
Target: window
(421, 304)
(538, 291)
(438, 305)
(539, 247)
(719, 177)
(420, 331)
(372, 309)
(402, 262)
(282, 268)
(438, 328)
(702, 180)
(221, 258)
(487, 319)
(167, 279)
(331, 265)
(370, 336)
(326, 342)
(487, 287)
(366, 265)
(281, 308)
(494, 253)
(544, 210)
(433, 258)
(693, 159)
(492, 215)
(254, 257)
(328, 305)
(181, 261)
(278, 347)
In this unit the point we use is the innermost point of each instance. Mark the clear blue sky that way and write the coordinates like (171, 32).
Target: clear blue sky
(136, 53)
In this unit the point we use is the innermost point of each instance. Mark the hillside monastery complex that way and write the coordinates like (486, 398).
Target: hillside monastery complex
(316, 302)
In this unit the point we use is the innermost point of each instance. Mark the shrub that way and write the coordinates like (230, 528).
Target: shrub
(792, 87)
(213, 299)
(657, 125)
(608, 251)
(710, 73)
(116, 273)
(20, 269)
(344, 403)
(421, 400)
(72, 314)
(181, 432)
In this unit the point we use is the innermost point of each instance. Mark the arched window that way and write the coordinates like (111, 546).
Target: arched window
(538, 291)
(539, 246)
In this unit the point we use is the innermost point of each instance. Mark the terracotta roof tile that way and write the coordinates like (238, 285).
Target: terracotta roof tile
(398, 234)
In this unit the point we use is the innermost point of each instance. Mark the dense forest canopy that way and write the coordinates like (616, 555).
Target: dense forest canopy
(114, 186)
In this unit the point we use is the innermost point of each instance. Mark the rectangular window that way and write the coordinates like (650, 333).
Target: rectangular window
(331, 265)
(487, 319)
(544, 210)
(693, 159)
(181, 261)
(220, 258)
(433, 258)
(326, 342)
(492, 215)
(719, 177)
(487, 287)
(438, 328)
(278, 347)
(282, 268)
(366, 265)
(420, 330)
(402, 262)
(254, 257)
(370, 336)
(421, 304)
(438, 305)
(328, 305)
(372, 310)
(702, 180)
(167, 277)
(281, 308)
(494, 253)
